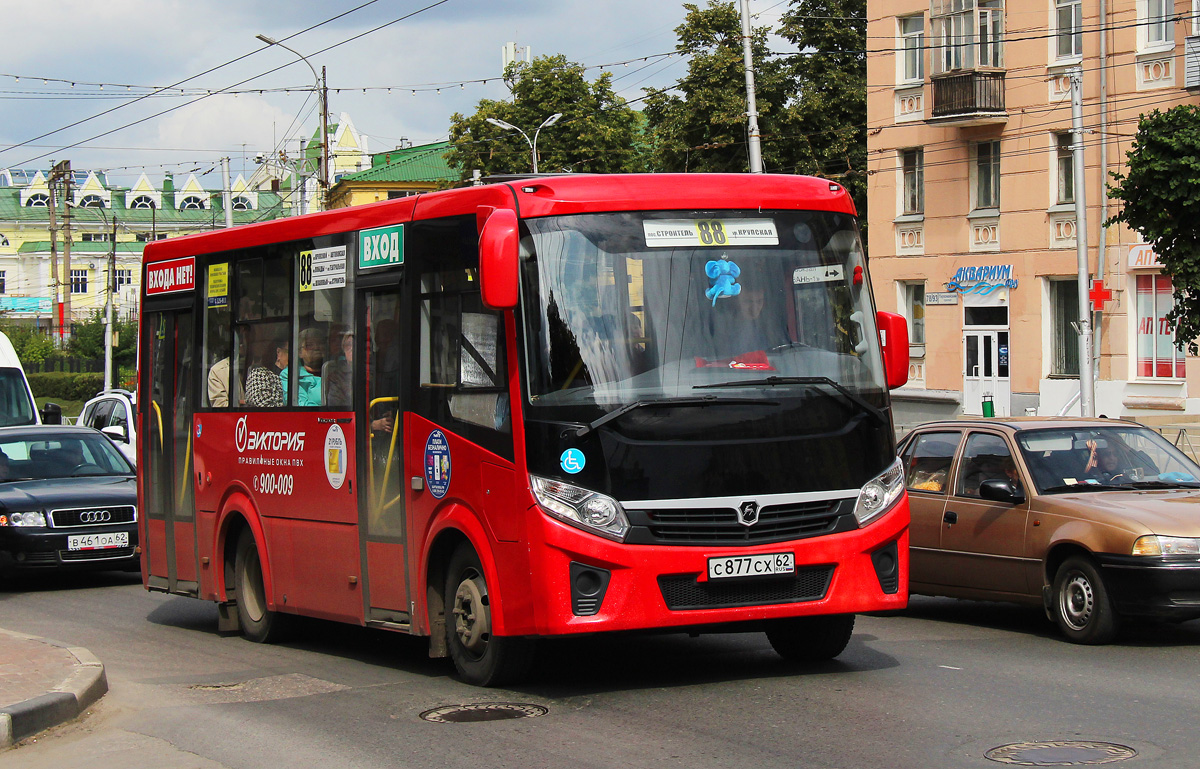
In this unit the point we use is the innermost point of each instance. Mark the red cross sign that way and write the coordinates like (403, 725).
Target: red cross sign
(1099, 295)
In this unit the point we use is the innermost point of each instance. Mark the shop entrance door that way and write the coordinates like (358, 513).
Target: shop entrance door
(985, 372)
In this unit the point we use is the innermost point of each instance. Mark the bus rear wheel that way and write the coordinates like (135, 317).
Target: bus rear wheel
(811, 639)
(258, 623)
(481, 657)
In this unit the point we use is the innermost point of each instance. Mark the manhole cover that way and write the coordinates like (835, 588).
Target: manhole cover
(484, 711)
(1060, 753)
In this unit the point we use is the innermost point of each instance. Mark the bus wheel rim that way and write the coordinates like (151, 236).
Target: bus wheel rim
(472, 623)
(253, 581)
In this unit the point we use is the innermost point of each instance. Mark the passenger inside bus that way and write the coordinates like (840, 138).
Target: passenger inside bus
(336, 374)
(308, 383)
(263, 387)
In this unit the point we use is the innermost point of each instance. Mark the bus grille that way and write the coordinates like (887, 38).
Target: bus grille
(719, 526)
(63, 519)
(684, 592)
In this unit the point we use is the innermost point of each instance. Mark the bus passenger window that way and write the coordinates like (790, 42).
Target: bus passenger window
(218, 372)
(320, 368)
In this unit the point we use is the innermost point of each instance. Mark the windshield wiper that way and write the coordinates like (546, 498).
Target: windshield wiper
(1164, 484)
(854, 398)
(707, 400)
(1088, 487)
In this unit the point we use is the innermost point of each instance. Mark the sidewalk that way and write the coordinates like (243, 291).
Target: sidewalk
(43, 683)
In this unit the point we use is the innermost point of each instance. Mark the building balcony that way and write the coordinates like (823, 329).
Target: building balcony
(969, 97)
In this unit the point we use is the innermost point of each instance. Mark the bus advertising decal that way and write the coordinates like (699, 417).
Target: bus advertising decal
(171, 276)
(335, 456)
(437, 464)
(381, 247)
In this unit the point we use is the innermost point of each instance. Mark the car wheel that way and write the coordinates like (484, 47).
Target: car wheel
(811, 639)
(1082, 607)
(482, 659)
(258, 623)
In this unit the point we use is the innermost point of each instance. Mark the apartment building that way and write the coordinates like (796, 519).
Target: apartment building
(972, 216)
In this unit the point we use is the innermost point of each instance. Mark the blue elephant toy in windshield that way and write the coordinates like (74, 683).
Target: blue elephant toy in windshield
(723, 274)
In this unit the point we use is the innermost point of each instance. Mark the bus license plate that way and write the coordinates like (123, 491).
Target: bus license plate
(98, 541)
(769, 564)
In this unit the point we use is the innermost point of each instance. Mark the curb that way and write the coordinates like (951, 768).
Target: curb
(86, 684)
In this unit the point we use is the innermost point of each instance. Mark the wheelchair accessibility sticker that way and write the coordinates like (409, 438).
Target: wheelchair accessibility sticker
(572, 461)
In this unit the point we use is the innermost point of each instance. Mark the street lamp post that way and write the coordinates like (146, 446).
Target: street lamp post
(532, 143)
(322, 96)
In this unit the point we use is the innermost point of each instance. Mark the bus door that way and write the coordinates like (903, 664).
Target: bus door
(166, 451)
(382, 513)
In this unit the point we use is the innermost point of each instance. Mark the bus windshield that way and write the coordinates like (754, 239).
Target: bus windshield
(627, 307)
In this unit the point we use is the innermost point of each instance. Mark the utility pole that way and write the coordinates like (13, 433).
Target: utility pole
(226, 194)
(66, 304)
(53, 185)
(108, 306)
(753, 145)
(324, 142)
(1087, 383)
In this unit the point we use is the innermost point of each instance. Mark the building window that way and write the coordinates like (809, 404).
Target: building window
(79, 281)
(147, 237)
(1065, 168)
(1157, 355)
(913, 162)
(3, 287)
(987, 174)
(967, 34)
(1068, 29)
(3, 240)
(91, 201)
(241, 203)
(97, 237)
(124, 278)
(912, 37)
(38, 200)
(142, 201)
(914, 311)
(1159, 30)
(192, 203)
(1064, 311)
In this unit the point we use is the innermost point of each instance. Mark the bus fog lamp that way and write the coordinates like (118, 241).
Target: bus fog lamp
(588, 510)
(880, 493)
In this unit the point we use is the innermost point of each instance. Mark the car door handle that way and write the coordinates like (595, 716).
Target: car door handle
(950, 518)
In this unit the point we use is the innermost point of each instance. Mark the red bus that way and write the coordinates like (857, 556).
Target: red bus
(553, 406)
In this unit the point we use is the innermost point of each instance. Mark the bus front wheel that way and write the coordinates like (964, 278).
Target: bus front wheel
(258, 623)
(811, 639)
(482, 658)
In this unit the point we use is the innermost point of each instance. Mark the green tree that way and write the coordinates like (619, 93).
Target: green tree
(700, 125)
(30, 344)
(1160, 196)
(597, 132)
(87, 340)
(828, 118)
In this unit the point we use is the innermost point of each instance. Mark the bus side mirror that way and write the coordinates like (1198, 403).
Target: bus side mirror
(499, 248)
(893, 340)
(51, 414)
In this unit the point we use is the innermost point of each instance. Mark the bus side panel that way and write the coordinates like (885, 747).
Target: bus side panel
(155, 539)
(206, 527)
(462, 506)
(316, 569)
(385, 567)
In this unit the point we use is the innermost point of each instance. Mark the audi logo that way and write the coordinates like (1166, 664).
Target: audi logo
(95, 516)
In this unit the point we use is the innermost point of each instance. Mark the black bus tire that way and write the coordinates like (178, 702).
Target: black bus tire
(258, 623)
(811, 639)
(481, 658)
(1081, 604)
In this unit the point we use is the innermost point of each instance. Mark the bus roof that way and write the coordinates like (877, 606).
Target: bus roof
(533, 197)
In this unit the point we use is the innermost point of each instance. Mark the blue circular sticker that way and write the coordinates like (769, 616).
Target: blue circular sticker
(572, 461)
(437, 464)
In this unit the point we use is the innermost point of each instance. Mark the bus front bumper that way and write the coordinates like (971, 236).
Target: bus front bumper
(590, 584)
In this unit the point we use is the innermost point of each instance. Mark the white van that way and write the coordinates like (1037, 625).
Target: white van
(17, 406)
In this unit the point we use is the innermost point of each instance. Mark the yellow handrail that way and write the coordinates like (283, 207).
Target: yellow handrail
(376, 500)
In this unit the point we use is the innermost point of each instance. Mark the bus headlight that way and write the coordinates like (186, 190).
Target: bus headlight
(589, 510)
(880, 493)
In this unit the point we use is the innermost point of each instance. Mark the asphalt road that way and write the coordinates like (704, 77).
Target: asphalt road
(936, 686)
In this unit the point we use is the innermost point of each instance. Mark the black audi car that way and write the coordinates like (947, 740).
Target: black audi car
(68, 500)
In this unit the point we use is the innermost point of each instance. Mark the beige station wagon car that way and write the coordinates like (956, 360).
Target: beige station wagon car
(1096, 520)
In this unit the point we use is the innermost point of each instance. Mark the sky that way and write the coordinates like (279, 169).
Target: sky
(68, 62)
